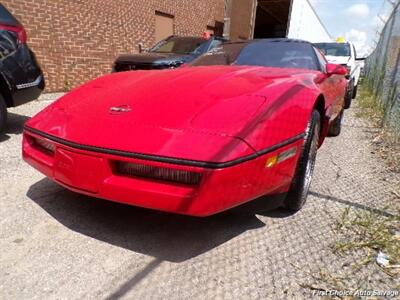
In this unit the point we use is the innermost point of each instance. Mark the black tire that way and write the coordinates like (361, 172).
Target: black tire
(3, 114)
(349, 96)
(298, 192)
(347, 102)
(355, 92)
(336, 127)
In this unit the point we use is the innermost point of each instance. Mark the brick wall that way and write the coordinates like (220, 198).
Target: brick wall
(77, 40)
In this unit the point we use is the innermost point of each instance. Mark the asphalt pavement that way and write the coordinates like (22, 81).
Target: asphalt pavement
(55, 244)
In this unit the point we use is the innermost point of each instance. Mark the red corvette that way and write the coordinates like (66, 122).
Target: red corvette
(240, 122)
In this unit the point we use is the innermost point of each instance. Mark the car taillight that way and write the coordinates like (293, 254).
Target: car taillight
(45, 145)
(22, 36)
(159, 173)
(19, 31)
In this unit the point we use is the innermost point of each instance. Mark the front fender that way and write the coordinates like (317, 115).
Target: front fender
(284, 116)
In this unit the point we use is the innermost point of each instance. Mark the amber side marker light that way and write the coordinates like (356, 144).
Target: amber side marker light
(281, 157)
(159, 173)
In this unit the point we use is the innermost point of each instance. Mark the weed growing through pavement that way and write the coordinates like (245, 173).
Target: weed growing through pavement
(386, 142)
(370, 108)
(361, 236)
(370, 233)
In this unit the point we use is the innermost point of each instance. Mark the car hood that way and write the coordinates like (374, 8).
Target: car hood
(340, 60)
(153, 58)
(190, 113)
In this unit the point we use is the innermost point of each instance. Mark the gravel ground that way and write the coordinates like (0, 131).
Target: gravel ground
(55, 244)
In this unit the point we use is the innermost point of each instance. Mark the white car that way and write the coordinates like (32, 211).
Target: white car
(344, 54)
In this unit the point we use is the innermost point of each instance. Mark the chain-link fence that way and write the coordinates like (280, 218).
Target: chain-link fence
(383, 70)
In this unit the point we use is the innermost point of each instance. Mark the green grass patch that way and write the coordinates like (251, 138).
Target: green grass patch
(369, 105)
(386, 142)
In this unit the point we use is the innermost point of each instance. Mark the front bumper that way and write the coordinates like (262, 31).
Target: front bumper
(28, 91)
(94, 174)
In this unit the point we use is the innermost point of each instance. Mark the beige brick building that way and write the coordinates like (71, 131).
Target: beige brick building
(77, 40)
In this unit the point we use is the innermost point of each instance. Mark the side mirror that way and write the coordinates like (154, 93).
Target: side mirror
(334, 69)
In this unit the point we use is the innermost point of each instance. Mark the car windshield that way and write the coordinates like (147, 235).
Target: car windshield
(281, 54)
(180, 46)
(334, 49)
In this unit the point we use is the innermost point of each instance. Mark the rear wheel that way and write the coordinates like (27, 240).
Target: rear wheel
(347, 101)
(355, 92)
(336, 127)
(298, 192)
(349, 95)
(3, 114)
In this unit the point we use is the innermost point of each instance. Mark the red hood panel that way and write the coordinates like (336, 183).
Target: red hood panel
(189, 113)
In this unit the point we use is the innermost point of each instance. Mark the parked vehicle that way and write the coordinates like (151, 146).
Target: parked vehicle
(242, 121)
(294, 19)
(167, 54)
(21, 79)
(344, 53)
(360, 61)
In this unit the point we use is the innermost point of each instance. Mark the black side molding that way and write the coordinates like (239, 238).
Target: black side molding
(165, 159)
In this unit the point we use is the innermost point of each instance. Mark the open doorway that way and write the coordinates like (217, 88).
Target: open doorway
(272, 19)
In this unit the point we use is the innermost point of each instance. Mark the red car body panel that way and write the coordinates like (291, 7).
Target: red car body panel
(223, 122)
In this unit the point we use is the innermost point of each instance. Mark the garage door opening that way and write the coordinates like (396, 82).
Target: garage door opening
(272, 19)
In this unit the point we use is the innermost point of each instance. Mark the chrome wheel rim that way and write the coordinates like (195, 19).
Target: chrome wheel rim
(312, 155)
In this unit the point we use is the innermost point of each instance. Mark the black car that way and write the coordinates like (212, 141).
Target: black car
(21, 79)
(167, 54)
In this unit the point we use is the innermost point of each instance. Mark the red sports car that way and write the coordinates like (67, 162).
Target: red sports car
(240, 122)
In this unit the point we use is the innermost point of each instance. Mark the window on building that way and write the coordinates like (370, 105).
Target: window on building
(164, 26)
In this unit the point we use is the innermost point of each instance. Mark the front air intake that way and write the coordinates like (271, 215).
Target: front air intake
(158, 173)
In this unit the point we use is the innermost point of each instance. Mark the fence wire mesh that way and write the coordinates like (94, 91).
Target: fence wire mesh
(382, 70)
